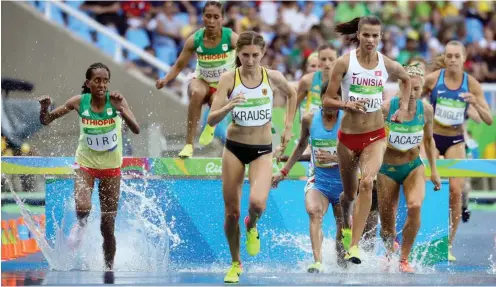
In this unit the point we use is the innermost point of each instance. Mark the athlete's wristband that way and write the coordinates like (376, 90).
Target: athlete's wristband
(284, 171)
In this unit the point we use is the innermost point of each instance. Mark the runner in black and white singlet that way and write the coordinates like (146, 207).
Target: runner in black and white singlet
(247, 93)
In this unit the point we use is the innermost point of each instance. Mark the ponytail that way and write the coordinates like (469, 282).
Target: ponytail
(438, 62)
(349, 28)
(352, 27)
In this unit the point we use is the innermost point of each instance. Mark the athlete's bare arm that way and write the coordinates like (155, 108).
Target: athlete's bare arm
(303, 87)
(221, 105)
(430, 145)
(282, 87)
(479, 102)
(181, 62)
(429, 84)
(385, 108)
(306, 122)
(47, 117)
(395, 69)
(331, 98)
(234, 39)
(473, 114)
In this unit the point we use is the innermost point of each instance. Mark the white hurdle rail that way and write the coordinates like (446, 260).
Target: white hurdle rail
(119, 41)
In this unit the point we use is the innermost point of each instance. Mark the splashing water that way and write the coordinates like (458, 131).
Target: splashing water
(373, 261)
(142, 235)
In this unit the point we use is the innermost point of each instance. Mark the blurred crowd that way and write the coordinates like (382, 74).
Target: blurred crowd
(294, 29)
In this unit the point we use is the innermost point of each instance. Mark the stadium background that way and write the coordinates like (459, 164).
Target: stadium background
(50, 49)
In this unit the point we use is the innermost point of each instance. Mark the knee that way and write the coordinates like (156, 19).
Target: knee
(414, 207)
(232, 214)
(197, 95)
(315, 213)
(257, 205)
(366, 184)
(455, 190)
(347, 197)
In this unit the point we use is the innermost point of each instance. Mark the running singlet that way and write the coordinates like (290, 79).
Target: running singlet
(312, 102)
(100, 139)
(213, 62)
(360, 83)
(449, 107)
(407, 135)
(323, 140)
(257, 110)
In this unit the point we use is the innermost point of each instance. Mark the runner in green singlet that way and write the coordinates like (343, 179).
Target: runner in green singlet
(214, 46)
(99, 151)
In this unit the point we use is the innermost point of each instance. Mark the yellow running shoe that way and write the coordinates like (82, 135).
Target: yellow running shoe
(232, 275)
(451, 258)
(353, 255)
(315, 267)
(187, 151)
(252, 239)
(346, 240)
(207, 135)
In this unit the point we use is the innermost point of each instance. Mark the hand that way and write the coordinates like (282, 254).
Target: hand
(278, 153)
(160, 84)
(399, 116)
(468, 98)
(357, 106)
(436, 180)
(282, 158)
(116, 100)
(325, 157)
(286, 137)
(276, 178)
(237, 100)
(45, 102)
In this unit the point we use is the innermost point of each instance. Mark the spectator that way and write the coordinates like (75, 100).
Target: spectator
(232, 18)
(410, 49)
(168, 27)
(137, 13)
(107, 13)
(250, 22)
(143, 66)
(308, 18)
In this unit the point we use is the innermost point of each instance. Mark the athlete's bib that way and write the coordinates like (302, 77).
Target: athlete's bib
(408, 135)
(449, 112)
(100, 138)
(404, 138)
(326, 146)
(364, 84)
(213, 62)
(257, 110)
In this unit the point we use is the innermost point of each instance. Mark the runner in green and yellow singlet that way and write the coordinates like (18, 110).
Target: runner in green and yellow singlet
(99, 152)
(214, 46)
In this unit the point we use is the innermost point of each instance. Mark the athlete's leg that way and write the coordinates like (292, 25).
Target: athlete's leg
(340, 251)
(316, 205)
(233, 173)
(198, 92)
(83, 188)
(260, 178)
(414, 189)
(465, 200)
(109, 192)
(370, 231)
(388, 195)
(348, 169)
(370, 163)
(456, 186)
